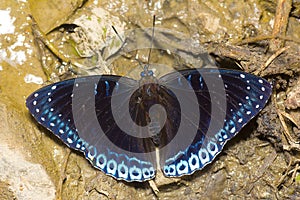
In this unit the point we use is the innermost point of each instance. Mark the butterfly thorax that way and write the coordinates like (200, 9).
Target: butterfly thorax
(148, 84)
(147, 95)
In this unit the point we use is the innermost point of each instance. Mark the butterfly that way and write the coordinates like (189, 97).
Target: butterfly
(129, 129)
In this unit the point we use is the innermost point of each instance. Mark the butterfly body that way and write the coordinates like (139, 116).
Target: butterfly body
(127, 128)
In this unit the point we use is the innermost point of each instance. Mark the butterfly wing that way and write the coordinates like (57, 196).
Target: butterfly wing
(226, 101)
(79, 112)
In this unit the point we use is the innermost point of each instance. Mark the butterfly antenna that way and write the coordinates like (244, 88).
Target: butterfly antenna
(152, 38)
(115, 30)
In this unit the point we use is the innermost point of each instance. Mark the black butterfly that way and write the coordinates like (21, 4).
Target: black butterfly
(126, 128)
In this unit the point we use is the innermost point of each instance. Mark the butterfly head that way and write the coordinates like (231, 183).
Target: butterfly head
(146, 72)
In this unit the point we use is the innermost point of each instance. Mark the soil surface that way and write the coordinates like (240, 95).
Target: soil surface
(74, 38)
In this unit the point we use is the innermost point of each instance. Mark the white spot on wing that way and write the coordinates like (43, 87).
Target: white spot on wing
(69, 140)
(212, 148)
(133, 170)
(146, 172)
(185, 167)
(232, 130)
(194, 159)
(103, 157)
(203, 156)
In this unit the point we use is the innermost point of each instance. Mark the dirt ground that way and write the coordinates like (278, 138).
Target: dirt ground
(69, 38)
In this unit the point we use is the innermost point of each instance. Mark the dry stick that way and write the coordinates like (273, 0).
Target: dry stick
(280, 23)
(288, 141)
(266, 37)
(42, 37)
(279, 29)
(270, 59)
(285, 128)
(290, 171)
(62, 175)
(153, 187)
(254, 39)
(262, 169)
(291, 118)
(294, 173)
(283, 139)
(43, 58)
(39, 35)
(284, 175)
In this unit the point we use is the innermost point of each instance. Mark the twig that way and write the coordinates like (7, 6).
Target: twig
(280, 23)
(261, 171)
(62, 175)
(41, 37)
(271, 58)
